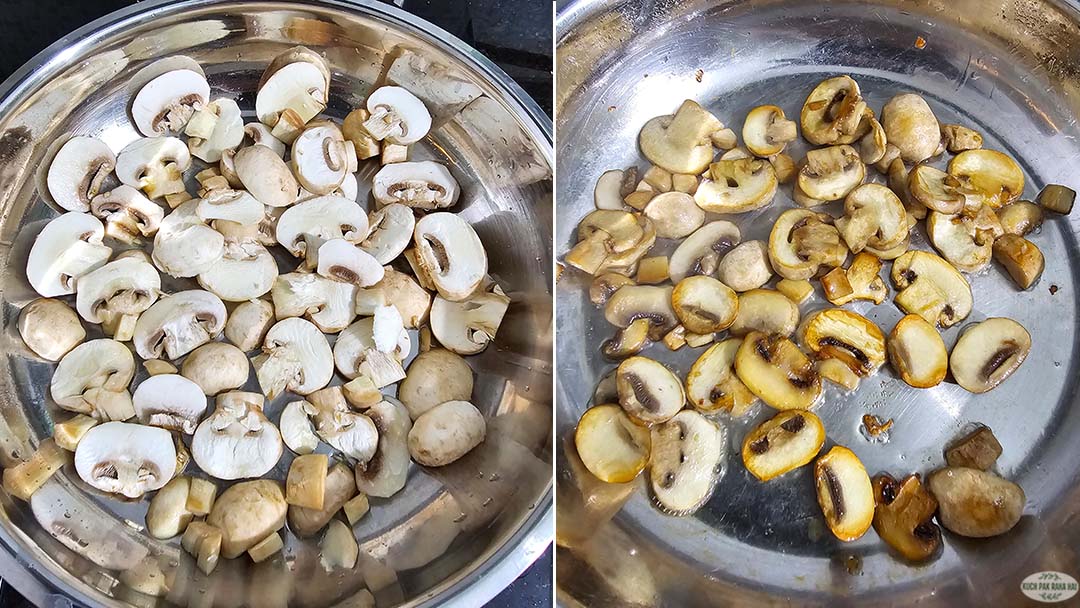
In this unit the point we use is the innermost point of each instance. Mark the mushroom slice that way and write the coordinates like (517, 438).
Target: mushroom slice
(873, 216)
(450, 251)
(116, 294)
(247, 325)
(930, 287)
(859, 281)
(390, 232)
(935, 189)
(77, 171)
(767, 311)
(299, 88)
(767, 131)
(237, 440)
(609, 191)
(327, 303)
(1021, 258)
(445, 433)
(424, 185)
(746, 266)
(1020, 217)
(801, 241)
(917, 352)
(874, 145)
(67, 248)
(904, 517)
(674, 215)
(687, 453)
(231, 205)
(987, 353)
(227, 133)
(296, 356)
(959, 241)
(711, 383)
(88, 372)
(184, 246)
(830, 173)
(680, 142)
(1057, 198)
(978, 449)
(775, 370)
(702, 251)
(343, 261)
(975, 503)
(737, 186)
(611, 446)
(704, 305)
(296, 428)
(169, 401)
(166, 103)
(411, 300)
(216, 367)
(632, 302)
(348, 432)
(988, 176)
(911, 126)
(304, 227)
(833, 112)
(844, 493)
(319, 158)
(782, 443)
(266, 176)
(246, 270)
(434, 377)
(154, 165)
(845, 335)
(50, 328)
(466, 327)
(958, 138)
(246, 513)
(178, 323)
(261, 135)
(296, 54)
(387, 471)
(127, 213)
(397, 116)
(126, 459)
(648, 391)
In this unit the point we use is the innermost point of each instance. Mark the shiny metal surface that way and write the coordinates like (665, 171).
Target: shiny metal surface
(454, 536)
(1009, 68)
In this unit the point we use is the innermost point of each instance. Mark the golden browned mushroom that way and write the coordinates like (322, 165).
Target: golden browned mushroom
(684, 466)
(648, 391)
(904, 517)
(917, 352)
(632, 302)
(860, 281)
(830, 173)
(680, 142)
(782, 443)
(874, 217)
(711, 383)
(911, 126)
(988, 352)
(978, 449)
(767, 131)
(775, 370)
(988, 176)
(959, 138)
(975, 503)
(801, 241)
(844, 493)
(611, 446)
(1056, 198)
(1021, 258)
(931, 288)
(845, 335)
(935, 189)
(767, 311)
(737, 186)
(704, 305)
(833, 112)
(1020, 217)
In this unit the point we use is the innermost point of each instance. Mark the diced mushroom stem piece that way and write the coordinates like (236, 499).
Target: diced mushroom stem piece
(265, 548)
(201, 496)
(203, 542)
(306, 482)
(356, 508)
(1057, 198)
(978, 449)
(25, 478)
(1021, 258)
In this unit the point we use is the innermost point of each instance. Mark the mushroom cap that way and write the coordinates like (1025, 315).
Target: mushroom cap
(989, 176)
(701, 252)
(674, 214)
(77, 170)
(216, 367)
(873, 215)
(467, 326)
(227, 135)
(134, 283)
(450, 251)
(680, 142)
(445, 433)
(287, 83)
(68, 247)
(266, 176)
(184, 246)
(236, 441)
(434, 377)
(329, 304)
(415, 120)
(246, 271)
(101, 363)
(125, 200)
(830, 173)
(833, 112)
(178, 323)
(421, 184)
(319, 158)
(134, 160)
(356, 339)
(247, 325)
(246, 513)
(737, 186)
(911, 126)
(170, 401)
(50, 328)
(388, 469)
(313, 222)
(343, 261)
(296, 356)
(157, 101)
(127, 459)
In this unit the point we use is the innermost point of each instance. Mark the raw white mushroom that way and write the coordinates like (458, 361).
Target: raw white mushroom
(231, 205)
(216, 367)
(50, 328)
(445, 433)
(327, 303)
(299, 86)
(247, 325)
(178, 323)
(89, 371)
(343, 261)
(397, 116)
(266, 176)
(304, 227)
(236, 441)
(154, 165)
(116, 294)
(167, 102)
(467, 326)
(246, 270)
(184, 245)
(390, 232)
(423, 185)
(319, 158)
(386, 328)
(353, 344)
(349, 187)
(260, 135)
(169, 401)
(435, 377)
(126, 459)
(388, 470)
(449, 250)
(77, 171)
(346, 431)
(296, 427)
(296, 356)
(127, 213)
(67, 248)
(746, 266)
(227, 134)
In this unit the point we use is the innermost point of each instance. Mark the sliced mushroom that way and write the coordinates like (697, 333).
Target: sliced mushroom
(796, 291)
(184, 245)
(345, 262)
(837, 372)
(845, 335)
(674, 215)
(958, 138)
(935, 189)
(227, 133)
(859, 281)
(297, 431)
(231, 205)
(390, 232)
(987, 353)
(767, 311)
(911, 126)
(237, 440)
(90, 371)
(746, 266)
(873, 216)
(127, 213)
(261, 135)
(167, 515)
(295, 92)
(1021, 258)
(319, 158)
(451, 252)
(348, 432)
(126, 459)
(116, 294)
(680, 142)
(357, 343)
(874, 145)
(930, 287)
(296, 356)
(247, 325)
(327, 303)
(77, 171)
(445, 433)
(917, 352)
(904, 517)
(782, 443)
(304, 227)
(387, 471)
(246, 513)
(166, 102)
(216, 367)
(958, 240)
(632, 302)
(701, 252)
(169, 401)
(1020, 218)
(50, 328)
(411, 300)
(611, 241)
(177, 324)
(628, 341)
(775, 370)
(154, 165)
(767, 131)
(604, 285)
(704, 305)
(737, 186)
(801, 241)
(609, 191)
(988, 177)
(687, 453)
(424, 185)
(1057, 198)
(975, 503)
(68, 247)
(648, 391)
(711, 383)
(833, 112)
(844, 493)
(611, 446)
(340, 487)
(246, 270)
(397, 116)
(466, 327)
(434, 377)
(830, 173)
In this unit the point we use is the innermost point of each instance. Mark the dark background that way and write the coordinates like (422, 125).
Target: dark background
(515, 34)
